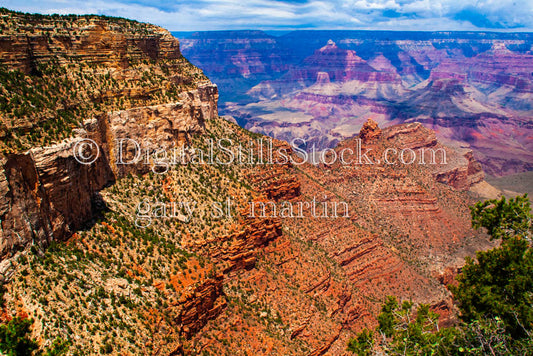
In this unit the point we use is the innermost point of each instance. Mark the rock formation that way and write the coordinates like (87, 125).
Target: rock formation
(370, 131)
(47, 193)
(64, 189)
(188, 282)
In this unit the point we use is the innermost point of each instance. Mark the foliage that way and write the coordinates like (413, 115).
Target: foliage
(14, 338)
(405, 331)
(363, 343)
(485, 337)
(503, 219)
(495, 296)
(59, 347)
(499, 283)
(408, 330)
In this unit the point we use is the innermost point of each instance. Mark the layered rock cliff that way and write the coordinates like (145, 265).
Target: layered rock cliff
(171, 261)
(404, 227)
(65, 189)
(57, 71)
(87, 53)
(71, 76)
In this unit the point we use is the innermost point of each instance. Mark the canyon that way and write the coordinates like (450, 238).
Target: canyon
(473, 89)
(74, 260)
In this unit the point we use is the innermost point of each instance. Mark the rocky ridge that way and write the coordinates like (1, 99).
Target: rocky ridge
(392, 243)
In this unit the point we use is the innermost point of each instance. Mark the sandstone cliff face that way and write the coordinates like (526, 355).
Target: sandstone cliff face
(240, 249)
(464, 176)
(57, 71)
(25, 211)
(47, 193)
(93, 40)
(112, 64)
(134, 134)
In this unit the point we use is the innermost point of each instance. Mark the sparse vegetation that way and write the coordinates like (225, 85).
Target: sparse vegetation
(42, 100)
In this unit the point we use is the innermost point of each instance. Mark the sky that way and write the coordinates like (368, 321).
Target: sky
(203, 15)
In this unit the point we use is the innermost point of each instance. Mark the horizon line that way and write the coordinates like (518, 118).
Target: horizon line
(508, 31)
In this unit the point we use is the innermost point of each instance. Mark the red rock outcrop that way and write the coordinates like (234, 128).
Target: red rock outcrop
(199, 305)
(455, 167)
(462, 177)
(238, 250)
(370, 131)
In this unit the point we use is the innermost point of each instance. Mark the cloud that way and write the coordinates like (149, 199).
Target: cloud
(180, 15)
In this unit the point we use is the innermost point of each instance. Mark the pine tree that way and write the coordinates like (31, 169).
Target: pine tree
(499, 282)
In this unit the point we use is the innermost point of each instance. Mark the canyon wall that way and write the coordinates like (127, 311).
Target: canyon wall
(48, 193)
(290, 285)
(91, 40)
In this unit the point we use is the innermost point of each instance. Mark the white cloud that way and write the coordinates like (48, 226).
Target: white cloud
(270, 14)
(373, 5)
